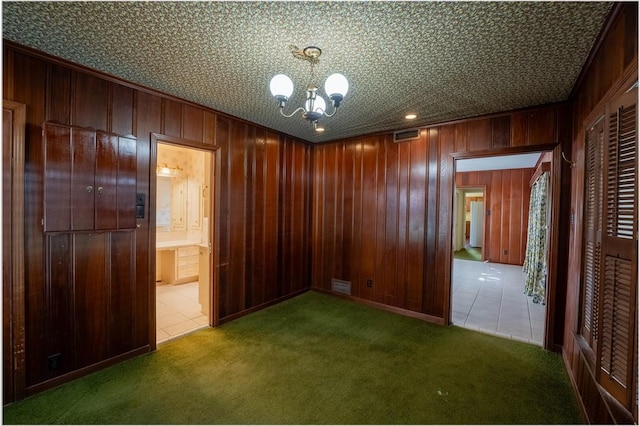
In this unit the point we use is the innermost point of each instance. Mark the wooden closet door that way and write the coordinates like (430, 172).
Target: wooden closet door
(83, 149)
(106, 180)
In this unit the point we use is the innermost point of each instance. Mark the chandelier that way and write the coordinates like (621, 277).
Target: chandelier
(336, 87)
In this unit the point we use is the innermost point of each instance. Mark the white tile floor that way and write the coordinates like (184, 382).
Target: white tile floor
(489, 297)
(177, 310)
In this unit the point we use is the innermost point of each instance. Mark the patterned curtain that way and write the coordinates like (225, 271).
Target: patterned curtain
(535, 261)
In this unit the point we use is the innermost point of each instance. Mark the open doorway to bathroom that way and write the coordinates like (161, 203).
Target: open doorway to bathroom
(183, 240)
(493, 289)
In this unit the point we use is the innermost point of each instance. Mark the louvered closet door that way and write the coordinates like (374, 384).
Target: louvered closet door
(593, 233)
(620, 263)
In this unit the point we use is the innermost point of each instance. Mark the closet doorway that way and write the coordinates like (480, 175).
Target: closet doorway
(184, 243)
(493, 287)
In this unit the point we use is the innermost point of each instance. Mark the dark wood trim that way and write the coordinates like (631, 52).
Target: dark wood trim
(544, 167)
(214, 228)
(574, 386)
(382, 306)
(76, 374)
(16, 176)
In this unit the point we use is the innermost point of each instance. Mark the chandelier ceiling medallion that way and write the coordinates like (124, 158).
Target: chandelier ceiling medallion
(336, 87)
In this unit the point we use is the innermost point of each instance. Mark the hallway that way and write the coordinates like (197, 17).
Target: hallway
(489, 297)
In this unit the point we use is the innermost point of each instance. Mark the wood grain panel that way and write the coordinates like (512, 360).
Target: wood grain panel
(8, 384)
(82, 186)
(121, 293)
(59, 310)
(126, 183)
(28, 87)
(500, 131)
(90, 298)
(171, 118)
(519, 129)
(480, 135)
(272, 167)
(90, 101)
(57, 173)
(192, 123)
(59, 103)
(541, 127)
(106, 177)
(122, 107)
(148, 118)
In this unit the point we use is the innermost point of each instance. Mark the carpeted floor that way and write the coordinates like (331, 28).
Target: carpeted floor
(318, 359)
(469, 253)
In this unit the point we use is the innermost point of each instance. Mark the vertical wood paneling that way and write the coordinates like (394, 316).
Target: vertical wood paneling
(90, 101)
(368, 230)
(480, 135)
(121, 293)
(171, 118)
(106, 177)
(29, 85)
(91, 298)
(430, 294)
(147, 120)
(392, 203)
(264, 212)
(500, 131)
(122, 107)
(416, 221)
(59, 311)
(519, 129)
(379, 281)
(222, 140)
(237, 219)
(59, 103)
(193, 123)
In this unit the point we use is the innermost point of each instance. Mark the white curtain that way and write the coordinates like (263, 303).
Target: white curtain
(535, 263)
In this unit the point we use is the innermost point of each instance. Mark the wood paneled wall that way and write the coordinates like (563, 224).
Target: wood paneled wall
(263, 212)
(382, 211)
(506, 200)
(613, 62)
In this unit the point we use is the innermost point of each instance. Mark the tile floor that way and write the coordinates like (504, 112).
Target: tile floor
(489, 297)
(177, 310)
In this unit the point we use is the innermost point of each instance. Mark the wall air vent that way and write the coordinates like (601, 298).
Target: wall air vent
(406, 135)
(340, 286)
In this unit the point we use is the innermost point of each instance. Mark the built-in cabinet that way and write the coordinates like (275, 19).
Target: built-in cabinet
(89, 179)
(179, 265)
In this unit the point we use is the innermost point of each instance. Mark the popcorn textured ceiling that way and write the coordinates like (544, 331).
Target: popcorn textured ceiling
(441, 60)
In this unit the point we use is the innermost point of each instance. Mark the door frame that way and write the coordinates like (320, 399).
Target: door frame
(214, 227)
(13, 261)
(553, 227)
(478, 188)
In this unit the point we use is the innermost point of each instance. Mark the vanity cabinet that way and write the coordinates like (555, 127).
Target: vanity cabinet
(180, 265)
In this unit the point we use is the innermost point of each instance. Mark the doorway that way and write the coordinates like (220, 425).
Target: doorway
(184, 209)
(488, 292)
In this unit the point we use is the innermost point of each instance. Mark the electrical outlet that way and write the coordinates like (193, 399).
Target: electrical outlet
(369, 282)
(54, 361)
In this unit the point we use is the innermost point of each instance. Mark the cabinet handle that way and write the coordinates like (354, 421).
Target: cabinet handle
(89, 189)
(100, 190)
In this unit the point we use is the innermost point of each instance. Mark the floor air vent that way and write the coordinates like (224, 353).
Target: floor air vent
(340, 286)
(406, 135)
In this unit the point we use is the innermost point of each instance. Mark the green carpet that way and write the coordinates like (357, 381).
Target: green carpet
(468, 253)
(317, 359)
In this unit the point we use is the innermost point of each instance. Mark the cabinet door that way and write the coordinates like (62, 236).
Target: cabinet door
(194, 205)
(126, 184)
(178, 203)
(83, 149)
(106, 179)
(57, 172)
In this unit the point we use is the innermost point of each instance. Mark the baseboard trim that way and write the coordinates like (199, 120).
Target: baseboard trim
(261, 306)
(76, 374)
(382, 306)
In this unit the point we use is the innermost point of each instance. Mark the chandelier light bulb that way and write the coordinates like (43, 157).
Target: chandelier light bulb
(336, 84)
(319, 105)
(281, 86)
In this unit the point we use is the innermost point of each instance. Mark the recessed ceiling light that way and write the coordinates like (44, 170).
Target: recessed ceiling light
(410, 116)
(319, 129)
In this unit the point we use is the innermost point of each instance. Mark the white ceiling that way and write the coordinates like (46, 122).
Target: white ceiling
(442, 60)
(503, 162)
